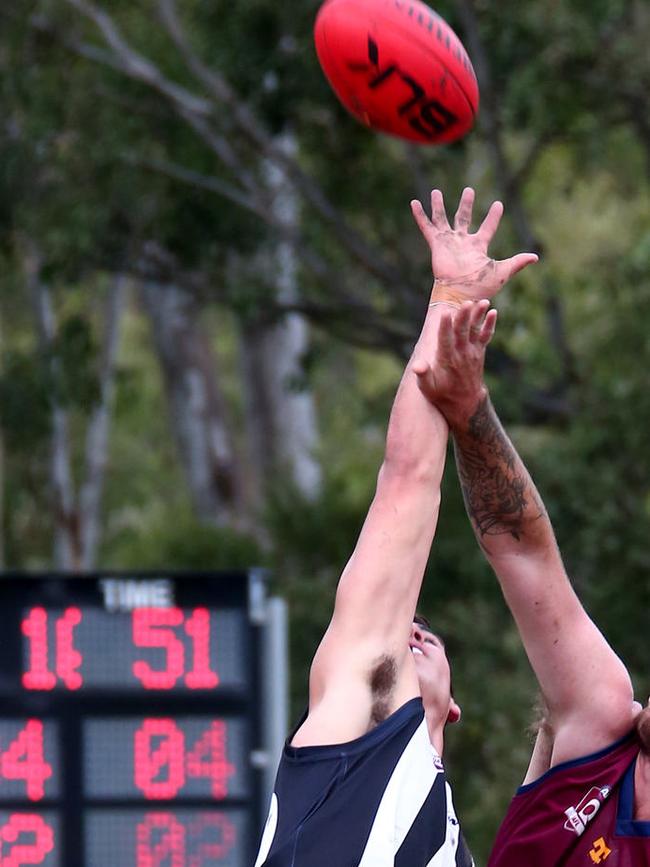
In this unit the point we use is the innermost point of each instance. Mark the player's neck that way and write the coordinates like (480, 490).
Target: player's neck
(642, 788)
(436, 731)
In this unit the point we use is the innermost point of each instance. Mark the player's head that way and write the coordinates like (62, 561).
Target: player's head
(433, 670)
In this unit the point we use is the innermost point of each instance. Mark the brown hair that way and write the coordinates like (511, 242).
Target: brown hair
(421, 620)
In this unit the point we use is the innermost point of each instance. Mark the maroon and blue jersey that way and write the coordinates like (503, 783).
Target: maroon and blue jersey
(578, 814)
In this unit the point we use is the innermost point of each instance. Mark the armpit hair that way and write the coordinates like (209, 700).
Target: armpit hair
(540, 719)
(383, 678)
(643, 730)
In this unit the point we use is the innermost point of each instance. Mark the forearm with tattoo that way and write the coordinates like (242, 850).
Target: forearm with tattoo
(499, 494)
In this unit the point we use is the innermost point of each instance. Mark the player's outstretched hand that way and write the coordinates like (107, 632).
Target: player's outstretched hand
(461, 266)
(454, 381)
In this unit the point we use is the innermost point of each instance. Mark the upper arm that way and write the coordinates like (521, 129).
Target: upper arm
(379, 587)
(376, 599)
(378, 590)
(586, 686)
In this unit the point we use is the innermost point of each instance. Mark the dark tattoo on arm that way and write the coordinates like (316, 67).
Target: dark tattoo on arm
(500, 497)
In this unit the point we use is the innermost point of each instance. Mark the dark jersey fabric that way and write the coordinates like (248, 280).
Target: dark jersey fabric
(578, 814)
(379, 801)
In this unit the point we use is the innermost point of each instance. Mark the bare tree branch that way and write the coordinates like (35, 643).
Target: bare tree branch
(83, 49)
(370, 331)
(222, 148)
(192, 178)
(158, 264)
(357, 324)
(490, 120)
(369, 257)
(327, 276)
(122, 58)
(135, 65)
(197, 111)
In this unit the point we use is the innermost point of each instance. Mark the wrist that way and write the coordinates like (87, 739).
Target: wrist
(459, 412)
(466, 287)
(447, 293)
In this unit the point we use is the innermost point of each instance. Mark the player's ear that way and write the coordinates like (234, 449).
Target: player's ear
(454, 713)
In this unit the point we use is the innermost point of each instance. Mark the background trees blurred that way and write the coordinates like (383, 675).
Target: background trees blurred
(210, 280)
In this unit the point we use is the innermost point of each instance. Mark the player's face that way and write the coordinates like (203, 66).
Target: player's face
(434, 673)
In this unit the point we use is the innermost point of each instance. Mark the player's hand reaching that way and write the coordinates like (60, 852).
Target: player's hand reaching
(454, 381)
(461, 266)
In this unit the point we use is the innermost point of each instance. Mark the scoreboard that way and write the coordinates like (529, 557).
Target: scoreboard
(132, 720)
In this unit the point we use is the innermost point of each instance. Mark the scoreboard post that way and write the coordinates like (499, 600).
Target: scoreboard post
(140, 718)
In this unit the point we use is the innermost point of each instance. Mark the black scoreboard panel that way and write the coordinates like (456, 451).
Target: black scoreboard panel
(129, 709)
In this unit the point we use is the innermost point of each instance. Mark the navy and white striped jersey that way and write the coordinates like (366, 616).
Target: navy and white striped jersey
(381, 800)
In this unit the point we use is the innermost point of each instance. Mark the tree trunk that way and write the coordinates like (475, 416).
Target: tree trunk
(97, 432)
(67, 548)
(75, 517)
(197, 407)
(281, 415)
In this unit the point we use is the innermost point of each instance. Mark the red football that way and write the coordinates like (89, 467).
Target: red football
(398, 67)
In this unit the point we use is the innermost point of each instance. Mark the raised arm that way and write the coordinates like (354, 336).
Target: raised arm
(585, 685)
(363, 668)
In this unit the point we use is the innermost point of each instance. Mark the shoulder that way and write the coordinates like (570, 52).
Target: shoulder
(581, 735)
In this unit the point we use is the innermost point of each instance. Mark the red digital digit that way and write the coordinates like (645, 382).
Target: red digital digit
(160, 840)
(198, 628)
(68, 660)
(208, 759)
(34, 852)
(34, 628)
(151, 758)
(24, 759)
(153, 627)
(221, 834)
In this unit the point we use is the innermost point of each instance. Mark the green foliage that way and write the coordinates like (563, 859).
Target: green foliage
(30, 383)
(24, 398)
(72, 358)
(182, 544)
